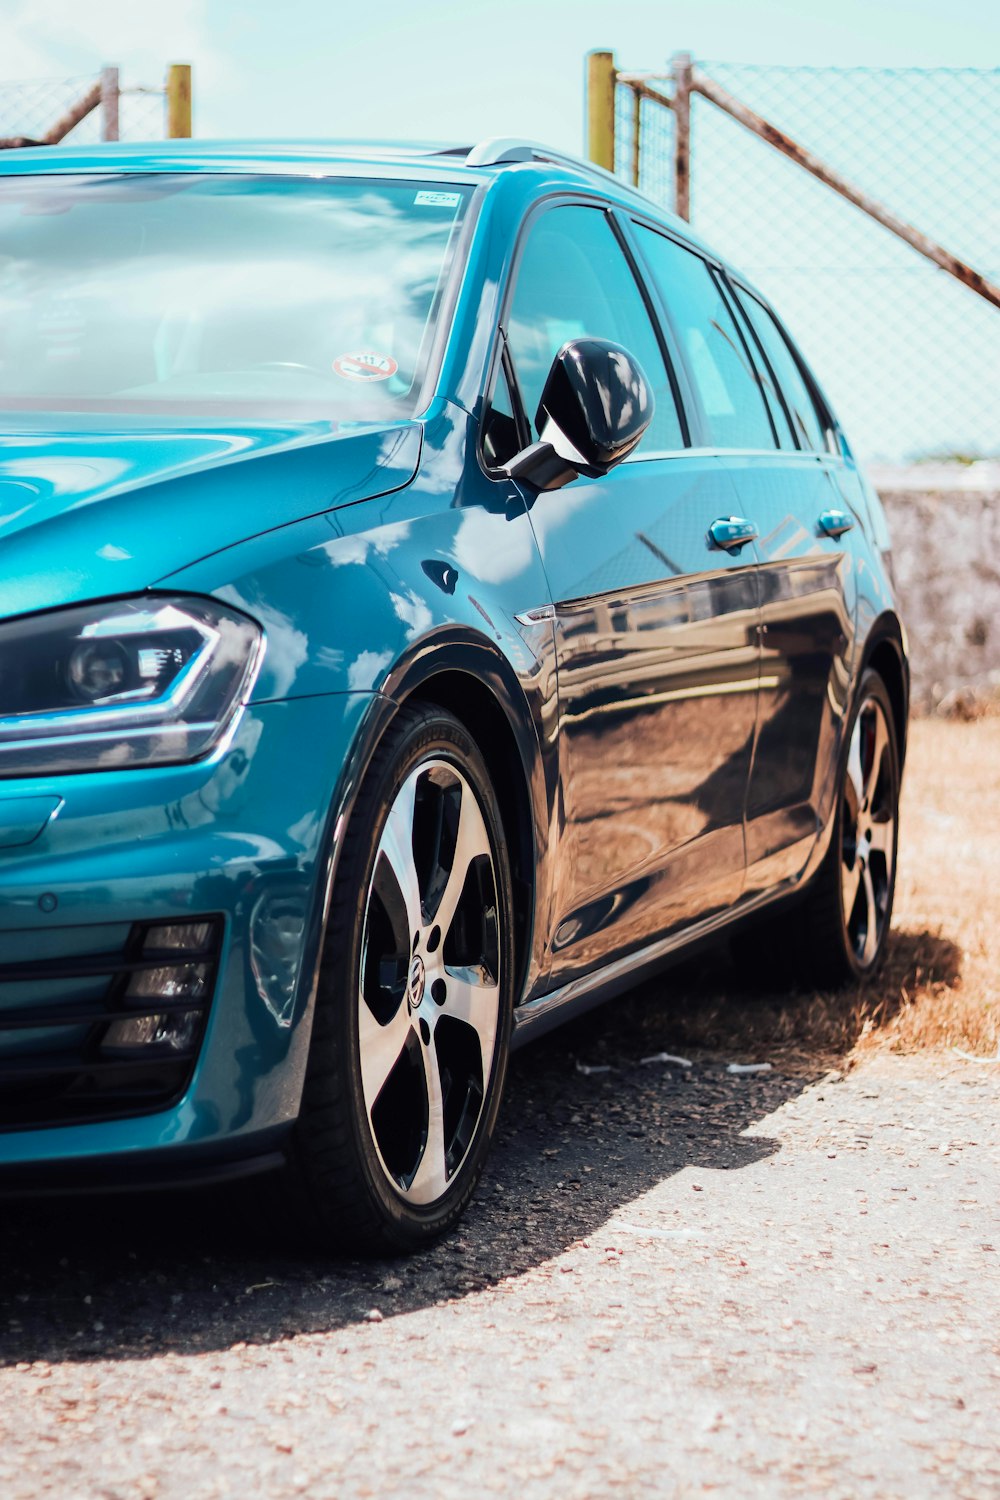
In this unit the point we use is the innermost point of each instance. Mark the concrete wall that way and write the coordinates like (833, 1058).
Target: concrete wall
(945, 521)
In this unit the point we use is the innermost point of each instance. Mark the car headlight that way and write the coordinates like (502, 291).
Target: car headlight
(130, 682)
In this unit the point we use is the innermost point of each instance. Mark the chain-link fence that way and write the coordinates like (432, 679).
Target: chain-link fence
(95, 107)
(909, 356)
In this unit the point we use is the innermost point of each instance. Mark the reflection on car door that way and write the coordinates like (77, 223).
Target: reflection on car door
(657, 655)
(656, 630)
(807, 594)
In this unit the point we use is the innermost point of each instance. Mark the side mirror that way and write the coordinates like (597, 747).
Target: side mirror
(595, 407)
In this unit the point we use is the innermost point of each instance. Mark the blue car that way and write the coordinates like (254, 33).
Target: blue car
(434, 591)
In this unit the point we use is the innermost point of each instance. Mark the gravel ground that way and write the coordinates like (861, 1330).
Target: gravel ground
(674, 1281)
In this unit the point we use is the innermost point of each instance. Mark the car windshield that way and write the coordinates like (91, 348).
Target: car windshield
(261, 297)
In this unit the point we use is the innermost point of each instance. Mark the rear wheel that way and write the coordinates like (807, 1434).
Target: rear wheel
(412, 1026)
(849, 906)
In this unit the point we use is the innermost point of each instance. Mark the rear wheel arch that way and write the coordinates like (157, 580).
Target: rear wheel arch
(885, 653)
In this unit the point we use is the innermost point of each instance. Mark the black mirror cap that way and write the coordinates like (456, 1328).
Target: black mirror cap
(598, 398)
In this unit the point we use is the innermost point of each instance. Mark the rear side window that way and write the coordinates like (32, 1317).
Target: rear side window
(573, 281)
(806, 427)
(724, 377)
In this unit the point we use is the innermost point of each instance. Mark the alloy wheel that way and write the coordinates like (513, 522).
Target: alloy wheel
(429, 998)
(868, 846)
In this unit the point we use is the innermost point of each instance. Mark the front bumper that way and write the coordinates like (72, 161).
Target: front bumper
(244, 839)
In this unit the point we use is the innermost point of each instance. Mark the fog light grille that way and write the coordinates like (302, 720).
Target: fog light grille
(127, 1048)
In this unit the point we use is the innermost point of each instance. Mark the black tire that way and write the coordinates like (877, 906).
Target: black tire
(841, 939)
(358, 1177)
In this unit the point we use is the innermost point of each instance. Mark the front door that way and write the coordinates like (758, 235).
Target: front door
(656, 629)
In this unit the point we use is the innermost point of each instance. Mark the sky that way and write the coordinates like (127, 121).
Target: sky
(439, 70)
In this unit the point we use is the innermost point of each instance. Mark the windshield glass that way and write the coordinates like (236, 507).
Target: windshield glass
(257, 297)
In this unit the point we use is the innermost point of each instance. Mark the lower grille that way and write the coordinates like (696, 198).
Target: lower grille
(97, 1036)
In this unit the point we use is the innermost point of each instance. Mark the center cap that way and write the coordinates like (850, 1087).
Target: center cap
(418, 979)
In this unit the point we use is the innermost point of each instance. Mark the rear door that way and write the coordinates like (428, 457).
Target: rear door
(656, 627)
(807, 608)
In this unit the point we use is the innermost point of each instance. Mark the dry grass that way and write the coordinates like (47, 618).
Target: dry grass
(939, 987)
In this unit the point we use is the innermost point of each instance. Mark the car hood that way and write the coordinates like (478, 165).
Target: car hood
(89, 512)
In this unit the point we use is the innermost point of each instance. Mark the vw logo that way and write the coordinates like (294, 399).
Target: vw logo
(418, 979)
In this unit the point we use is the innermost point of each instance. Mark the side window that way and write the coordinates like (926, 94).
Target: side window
(724, 377)
(574, 281)
(807, 429)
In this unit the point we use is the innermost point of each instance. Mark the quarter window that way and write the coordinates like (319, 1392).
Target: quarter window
(500, 436)
(573, 281)
(724, 377)
(807, 429)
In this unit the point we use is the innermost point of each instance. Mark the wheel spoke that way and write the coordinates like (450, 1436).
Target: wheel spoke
(476, 1003)
(431, 1177)
(471, 842)
(882, 840)
(871, 918)
(879, 749)
(380, 1047)
(850, 880)
(396, 844)
(855, 778)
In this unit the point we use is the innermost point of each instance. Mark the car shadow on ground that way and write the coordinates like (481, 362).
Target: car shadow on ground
(589, 1125)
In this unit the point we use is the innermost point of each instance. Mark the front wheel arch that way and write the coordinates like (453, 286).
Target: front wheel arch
(472, 703)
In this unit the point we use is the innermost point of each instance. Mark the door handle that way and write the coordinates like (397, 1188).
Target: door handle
(731, 533)
(835, 522)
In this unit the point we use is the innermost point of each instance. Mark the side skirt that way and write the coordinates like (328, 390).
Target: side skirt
(535, 1017)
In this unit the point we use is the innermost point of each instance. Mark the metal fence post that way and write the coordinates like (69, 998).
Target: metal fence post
(601, 109)
(680, 69)
(109, 104)
(636, 137)
(178, 101)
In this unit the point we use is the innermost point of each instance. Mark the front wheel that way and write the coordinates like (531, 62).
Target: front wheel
(412, 1027)
(849, 907)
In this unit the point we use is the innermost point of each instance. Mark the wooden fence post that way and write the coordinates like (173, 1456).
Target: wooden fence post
(601, 109)
(179, 101)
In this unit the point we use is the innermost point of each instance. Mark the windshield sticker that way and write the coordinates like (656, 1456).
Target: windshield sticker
(437, 200)
(365, 366)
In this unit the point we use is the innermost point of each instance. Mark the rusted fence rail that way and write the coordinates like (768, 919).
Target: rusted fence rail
(897, 147)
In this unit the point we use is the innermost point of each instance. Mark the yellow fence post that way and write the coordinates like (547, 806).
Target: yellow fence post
(179, 101)
(601, 109)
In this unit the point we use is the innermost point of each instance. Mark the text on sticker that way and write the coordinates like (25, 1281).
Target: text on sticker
(437, 200)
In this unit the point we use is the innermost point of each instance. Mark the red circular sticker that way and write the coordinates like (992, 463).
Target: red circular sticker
(366, 366)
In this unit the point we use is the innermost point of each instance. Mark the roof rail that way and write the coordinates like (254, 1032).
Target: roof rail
(500, 149)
